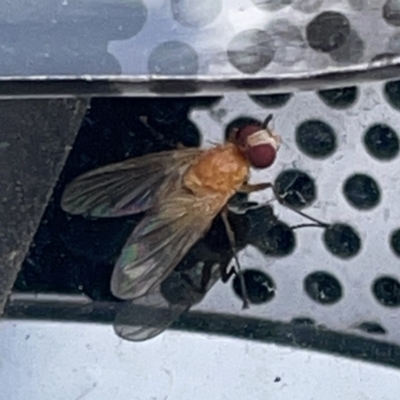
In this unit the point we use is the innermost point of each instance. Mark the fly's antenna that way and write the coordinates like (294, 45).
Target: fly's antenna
(238, 269)
(315, 225)
(250, 188)
(267, 120)
(316, 222)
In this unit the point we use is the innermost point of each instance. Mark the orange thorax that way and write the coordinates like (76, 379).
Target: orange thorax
(221, 170)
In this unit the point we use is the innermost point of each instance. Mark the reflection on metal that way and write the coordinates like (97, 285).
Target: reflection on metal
(186, 47)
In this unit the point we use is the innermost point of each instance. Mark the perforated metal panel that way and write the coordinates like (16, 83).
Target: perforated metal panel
(336, 289)
(346, 143)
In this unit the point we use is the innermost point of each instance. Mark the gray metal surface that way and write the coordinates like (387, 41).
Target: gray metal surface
(183, 46)
(35, 139)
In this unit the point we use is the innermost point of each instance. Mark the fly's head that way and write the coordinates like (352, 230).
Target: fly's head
(258, 143)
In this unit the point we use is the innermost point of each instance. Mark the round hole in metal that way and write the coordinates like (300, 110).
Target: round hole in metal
(381, 142)
(362, 192)
(279, 240)
(340, 97)
(260, 287)
(387, 291)
(250, 51)
(395, 242)
(372, 328)
(342, 240)
(193, 13)
(296, 188)
(316, 138)
(352, 51)
(392, 93)
(323, 287)
(328, 31)
(173, 58)
(391, 12)
(272, 100)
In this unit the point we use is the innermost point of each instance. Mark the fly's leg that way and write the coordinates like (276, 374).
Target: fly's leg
(248, 188)
(237, 269)
(226, 274)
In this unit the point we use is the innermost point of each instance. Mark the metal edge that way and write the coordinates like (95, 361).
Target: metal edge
(296, 334)
(40, 86)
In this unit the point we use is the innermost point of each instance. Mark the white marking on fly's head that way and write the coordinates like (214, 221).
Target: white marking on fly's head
(264, 136)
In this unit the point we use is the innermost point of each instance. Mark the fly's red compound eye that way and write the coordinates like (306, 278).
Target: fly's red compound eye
(261, 156)
(258, 144)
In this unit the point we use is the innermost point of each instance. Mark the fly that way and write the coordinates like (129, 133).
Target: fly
(181, 192)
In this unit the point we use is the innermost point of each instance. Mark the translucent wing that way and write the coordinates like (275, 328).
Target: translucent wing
(146, 317)
(149, 315)
(161, 240)
(128, 187)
